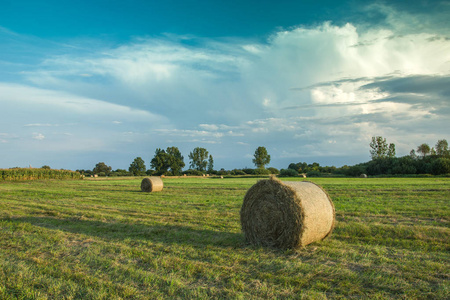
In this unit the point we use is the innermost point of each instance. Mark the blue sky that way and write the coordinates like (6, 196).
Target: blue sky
(89, 81)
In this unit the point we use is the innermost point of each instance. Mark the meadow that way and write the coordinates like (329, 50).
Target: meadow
(105, 239)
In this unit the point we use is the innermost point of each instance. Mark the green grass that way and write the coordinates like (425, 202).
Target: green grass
(104, 239)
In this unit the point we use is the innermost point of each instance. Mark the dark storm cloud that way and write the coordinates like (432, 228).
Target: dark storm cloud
(419, 84)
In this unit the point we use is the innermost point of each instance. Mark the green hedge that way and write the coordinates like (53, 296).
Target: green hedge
(33, 174)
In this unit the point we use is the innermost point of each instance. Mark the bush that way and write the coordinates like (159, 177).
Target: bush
(313, 174)
(288, 173)
(355, 171)
(222, 172)
(248, 171)
(440, 166)
(261, 171)
(273, 170)
(237, 172)
(191, 172)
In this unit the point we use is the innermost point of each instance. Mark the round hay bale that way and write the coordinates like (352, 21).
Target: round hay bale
(286, 214)
(152, 184)
(363, 176)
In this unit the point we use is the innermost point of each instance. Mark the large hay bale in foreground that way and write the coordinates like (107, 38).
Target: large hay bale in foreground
(152, 184)
(286, 214)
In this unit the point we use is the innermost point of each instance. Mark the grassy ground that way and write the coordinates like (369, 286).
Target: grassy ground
(104, 239)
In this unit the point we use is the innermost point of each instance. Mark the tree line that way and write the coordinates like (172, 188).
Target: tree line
(422, 160)
(171, 162)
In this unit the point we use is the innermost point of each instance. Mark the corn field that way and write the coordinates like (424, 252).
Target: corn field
(33, 174)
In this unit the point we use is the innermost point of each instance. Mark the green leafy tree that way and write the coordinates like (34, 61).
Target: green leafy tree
(45, 167)
(424, 149)
(432, 151)
(137, 167)
(160, 162)
(261, 157)
(176, 160)
(380, 148)
(442, 148)
(101, 167)
(210, 164)
(440, 166)
(198, 159)
(391, 150)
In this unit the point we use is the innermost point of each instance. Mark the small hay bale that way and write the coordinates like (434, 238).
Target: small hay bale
(286, 214)
(152, 184)
(363, 176)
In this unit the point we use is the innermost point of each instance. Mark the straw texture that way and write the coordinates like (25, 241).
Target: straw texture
(286, 214)
(152, 184)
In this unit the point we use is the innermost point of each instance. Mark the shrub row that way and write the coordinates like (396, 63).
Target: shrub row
(32, 174)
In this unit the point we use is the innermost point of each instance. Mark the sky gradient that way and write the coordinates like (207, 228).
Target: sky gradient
(108, 81)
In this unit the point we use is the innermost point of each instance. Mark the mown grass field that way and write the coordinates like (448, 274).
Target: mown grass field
(104, 239)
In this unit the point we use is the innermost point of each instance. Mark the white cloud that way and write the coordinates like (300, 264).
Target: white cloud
(26, 98)
(39, 125)
(38, 136)
(210, 127)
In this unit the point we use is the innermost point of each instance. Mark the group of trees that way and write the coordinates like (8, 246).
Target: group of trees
(440, 150)
(171, 162)
(434, 161)
(431, 160)
(380, 148)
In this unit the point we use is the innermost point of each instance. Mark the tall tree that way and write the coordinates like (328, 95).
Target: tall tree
(198, 158)
(261, 157)
(380, 148)
(442, 148)
(210, 164)
(160, 162)
(176, 160)
(137, 167)
(101, 167)
(424, 149)
(391, 150)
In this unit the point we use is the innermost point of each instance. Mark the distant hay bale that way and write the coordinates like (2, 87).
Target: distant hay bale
(152, 184)
(286, 214)
(303, 175)
(363, 176)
